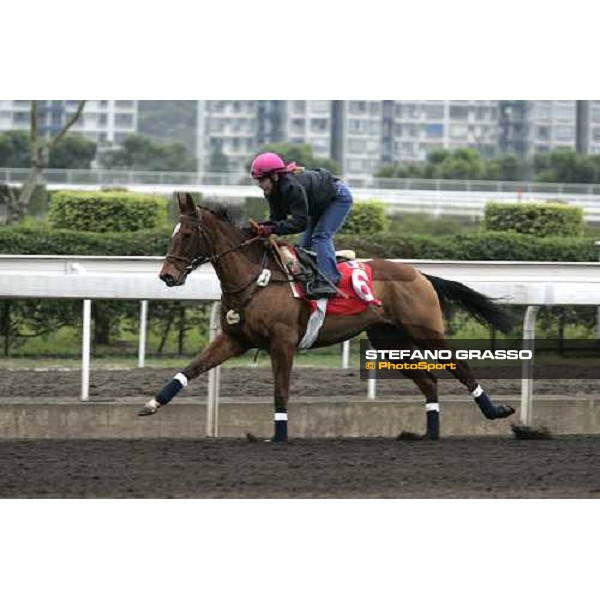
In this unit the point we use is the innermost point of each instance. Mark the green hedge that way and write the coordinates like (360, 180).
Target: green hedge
(43, 240)
(366, 218)
(481, 246)
(539, 219)
(106, 211)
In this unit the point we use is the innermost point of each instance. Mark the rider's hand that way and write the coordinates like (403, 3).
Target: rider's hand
(265, 230)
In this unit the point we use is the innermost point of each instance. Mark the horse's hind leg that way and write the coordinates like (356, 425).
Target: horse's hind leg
(392, 338)
(463, 373)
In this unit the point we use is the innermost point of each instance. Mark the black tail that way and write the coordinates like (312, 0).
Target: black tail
(453, 293)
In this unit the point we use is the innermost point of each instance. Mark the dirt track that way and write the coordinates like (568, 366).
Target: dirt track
(565, 467)
(251, 383)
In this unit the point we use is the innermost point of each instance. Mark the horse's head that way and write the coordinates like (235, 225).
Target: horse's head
(189, 245)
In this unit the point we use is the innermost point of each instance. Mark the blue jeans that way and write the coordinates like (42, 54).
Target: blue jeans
(318, 236)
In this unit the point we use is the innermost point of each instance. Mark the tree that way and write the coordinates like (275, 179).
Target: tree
(14, 150)
(142, 153)
(39, 157)
(74, 151)
(504, 168)
(219, 163)
(169, 121)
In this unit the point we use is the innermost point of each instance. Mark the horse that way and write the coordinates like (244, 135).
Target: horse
(270, 318)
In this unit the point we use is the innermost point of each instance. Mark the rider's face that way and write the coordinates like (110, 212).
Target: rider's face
(266, 184)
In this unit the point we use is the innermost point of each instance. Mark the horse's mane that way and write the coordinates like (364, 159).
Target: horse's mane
(221, 211)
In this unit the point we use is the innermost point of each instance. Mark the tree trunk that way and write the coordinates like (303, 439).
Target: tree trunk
(39, 151)
(6, 328)
(35, 175)
(165, 334)
(181, 329)
(9, 199)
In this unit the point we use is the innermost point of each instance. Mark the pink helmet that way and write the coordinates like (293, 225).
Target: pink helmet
(267, 163)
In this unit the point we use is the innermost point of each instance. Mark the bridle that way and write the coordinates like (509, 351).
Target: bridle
(192, 264)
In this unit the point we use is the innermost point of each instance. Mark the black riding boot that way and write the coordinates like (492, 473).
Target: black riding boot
(319, 288)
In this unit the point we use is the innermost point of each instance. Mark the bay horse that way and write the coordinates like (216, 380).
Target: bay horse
(270, 318)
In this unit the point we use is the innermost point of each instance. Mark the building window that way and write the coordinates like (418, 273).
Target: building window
(357, 146)
(217, 106)
(357, 126)
(374, 108)
(318, 125)
(411, 111)
(299, 106)
(124, 104)
(103, 103)
(356, 166)
(566, 111)
(596, 134)
(357, 106)
(458, 131)
(543, 133)
(434, 111)
(564, 132)
(298, 125)
(459, 112)
(102, 120)
(124, 120)
(321, 146)
(20, 117)
(319, 105)
(434, 130)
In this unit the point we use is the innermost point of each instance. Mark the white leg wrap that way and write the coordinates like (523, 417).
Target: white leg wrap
(477, 391)
(432, 406)
(281, 417)
(182, 379)
(153, 404)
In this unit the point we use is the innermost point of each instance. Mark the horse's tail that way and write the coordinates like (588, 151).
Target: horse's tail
(453, 293)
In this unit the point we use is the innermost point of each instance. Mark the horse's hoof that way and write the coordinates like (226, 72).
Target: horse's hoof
(275, 440)
(409, 436)
(504, 411)
(148, 409)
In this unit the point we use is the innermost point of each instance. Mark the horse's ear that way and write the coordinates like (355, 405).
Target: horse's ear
(186, 202)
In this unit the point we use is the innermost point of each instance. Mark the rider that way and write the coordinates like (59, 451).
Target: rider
(310, 201)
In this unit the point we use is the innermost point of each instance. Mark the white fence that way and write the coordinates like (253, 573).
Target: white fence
(433, 196)
(531, 284)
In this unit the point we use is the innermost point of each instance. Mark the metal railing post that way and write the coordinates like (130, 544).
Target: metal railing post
(527, 368)
(85, 340)
(345, 354)
(214, 375)
(142, 339)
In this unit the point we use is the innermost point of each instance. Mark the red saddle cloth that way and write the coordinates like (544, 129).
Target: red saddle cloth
(357, 285)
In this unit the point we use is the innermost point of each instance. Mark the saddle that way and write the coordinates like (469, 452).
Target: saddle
(301, 267)
(354, 291)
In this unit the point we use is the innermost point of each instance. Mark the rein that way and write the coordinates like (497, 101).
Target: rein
(193, 264)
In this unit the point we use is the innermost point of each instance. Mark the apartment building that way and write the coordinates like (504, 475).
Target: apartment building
(421, 126)
(105, 122)
(230, 128)
(362, 135)
(238, 128)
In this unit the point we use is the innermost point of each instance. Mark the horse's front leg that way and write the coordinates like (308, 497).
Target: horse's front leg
(282, 361)
(222, 348)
